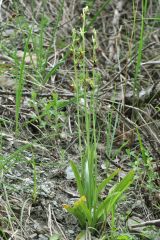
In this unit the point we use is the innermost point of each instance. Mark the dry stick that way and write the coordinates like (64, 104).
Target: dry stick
(115, 164)
(136, 126)
(150, 63)
(65, 23)
(50, 225)
(127, 65)
(12, 137)
(127, 119)
(144, 95)
(0, 10)
(58, 225)
(148, 223)
(28, 94)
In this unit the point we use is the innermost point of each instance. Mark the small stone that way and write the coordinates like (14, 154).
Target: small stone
(69, 173)
(42, 237)
(71, 231)
(33, 235)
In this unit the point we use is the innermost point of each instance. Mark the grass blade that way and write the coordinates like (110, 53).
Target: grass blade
(78, 177)
(107, 205)
(20, 83)
(106, 181)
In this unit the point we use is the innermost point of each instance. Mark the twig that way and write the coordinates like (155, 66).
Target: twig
(148, 223)
(28, 94)
(60, 229)
(150, 63)
(115, 164)
(126, 65)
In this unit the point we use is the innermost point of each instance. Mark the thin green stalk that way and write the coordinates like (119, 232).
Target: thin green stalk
(20, 82)
(76, 84)
(101, 8)
(140, 47)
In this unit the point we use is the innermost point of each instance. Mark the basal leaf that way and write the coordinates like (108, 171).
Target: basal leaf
(106, 206)
(78, 177)
(102, 185)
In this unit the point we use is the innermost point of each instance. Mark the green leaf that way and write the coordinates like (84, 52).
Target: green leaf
(102, 185)
(78, 177)
(53, 71)
(142, 147)
(78, 213)
(55, 237)
(81, 236)
(124, 183)
(87, 213)
(123, 237)
(107, 205)
(93, 20)
(102, 207)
